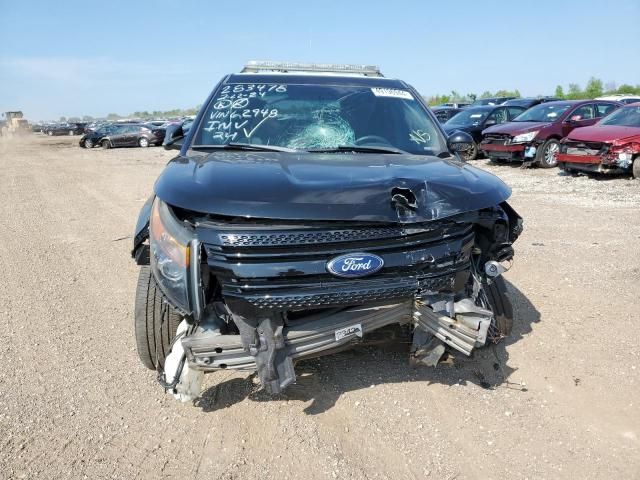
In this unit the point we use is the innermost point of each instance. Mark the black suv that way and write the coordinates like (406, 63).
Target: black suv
(306, 211)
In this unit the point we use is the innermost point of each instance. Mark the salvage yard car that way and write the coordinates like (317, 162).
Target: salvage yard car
(534, 136)
(63, 129)
(474, 120)
(122, 135)
(610, 146)
(311, 207)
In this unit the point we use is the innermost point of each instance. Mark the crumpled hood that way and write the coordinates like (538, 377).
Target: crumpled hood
(516, 128)
(606, 134)
(339, 186)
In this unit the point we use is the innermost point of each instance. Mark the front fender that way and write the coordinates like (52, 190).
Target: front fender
(141, 233)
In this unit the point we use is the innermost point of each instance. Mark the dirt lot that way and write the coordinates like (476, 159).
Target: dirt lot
(559, 399)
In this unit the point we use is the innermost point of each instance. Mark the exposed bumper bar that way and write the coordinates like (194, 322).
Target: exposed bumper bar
(566, 158)
(306, 338)
(494, 147)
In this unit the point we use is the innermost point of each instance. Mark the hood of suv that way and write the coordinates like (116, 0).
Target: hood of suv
(604, 133)
(337, 186)
(516, 128)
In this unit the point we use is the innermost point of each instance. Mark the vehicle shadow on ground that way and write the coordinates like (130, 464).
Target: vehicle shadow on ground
(322, 381)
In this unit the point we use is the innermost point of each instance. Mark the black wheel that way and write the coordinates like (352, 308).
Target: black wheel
(636, 168)
(50, 133)
(155, 322)
(88, 143)
(106, 144)
(143, 142)
(501, 306)
(546, 155)
(70, 132)
(470, 154)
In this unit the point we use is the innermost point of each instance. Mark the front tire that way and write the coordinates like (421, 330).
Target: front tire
(470, 154)
(70, 132)
(106, 144)
(88, 143)
(50, 133)
(547, 155)
(635, 170)
(155, 321)
(143, 142)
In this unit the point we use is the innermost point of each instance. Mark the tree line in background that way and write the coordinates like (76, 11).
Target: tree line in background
(594, 88)
(156, 114)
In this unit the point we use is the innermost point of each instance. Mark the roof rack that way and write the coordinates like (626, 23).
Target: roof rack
(254, 66)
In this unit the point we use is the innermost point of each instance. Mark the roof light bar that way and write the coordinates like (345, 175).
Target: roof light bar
(254, 66)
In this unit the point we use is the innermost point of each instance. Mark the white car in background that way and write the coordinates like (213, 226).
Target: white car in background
(622, 98)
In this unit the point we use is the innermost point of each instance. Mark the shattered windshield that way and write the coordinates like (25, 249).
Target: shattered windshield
(307, 117)
(624, 117)
(545, 112)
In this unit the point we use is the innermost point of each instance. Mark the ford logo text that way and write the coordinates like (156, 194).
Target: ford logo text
(354, 265)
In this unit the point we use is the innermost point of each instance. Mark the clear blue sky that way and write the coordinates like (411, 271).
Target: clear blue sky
(93, 57)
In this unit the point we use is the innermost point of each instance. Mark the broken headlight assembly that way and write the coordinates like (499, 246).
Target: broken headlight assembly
(524, 137)
(170, 251)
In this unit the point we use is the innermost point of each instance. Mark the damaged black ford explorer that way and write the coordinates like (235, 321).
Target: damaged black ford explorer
(314, 207)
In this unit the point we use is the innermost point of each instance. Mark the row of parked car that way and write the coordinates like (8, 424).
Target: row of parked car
(114, 134)
(600, 135)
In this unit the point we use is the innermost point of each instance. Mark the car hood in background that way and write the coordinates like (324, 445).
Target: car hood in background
(340, 186)
(604, 133)
(516, 128)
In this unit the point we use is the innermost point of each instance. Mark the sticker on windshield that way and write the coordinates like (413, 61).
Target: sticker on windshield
(552, 114)
(475, 115)
(392, 92)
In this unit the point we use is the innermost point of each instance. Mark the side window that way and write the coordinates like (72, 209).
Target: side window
(603, 109)
(499, 115)
(514, 112)
(585, 112)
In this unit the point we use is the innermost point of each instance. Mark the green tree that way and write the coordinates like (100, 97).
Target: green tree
(87, 118)
(559, 93)
(486, 94)
(63, 119)
(575, 92)
(594, 88)
(113, 116)
(628, 89)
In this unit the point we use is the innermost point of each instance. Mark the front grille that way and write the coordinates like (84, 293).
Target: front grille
(307, 238)
(583, 148)
(365, 292)
(285, 267)
(497, 138)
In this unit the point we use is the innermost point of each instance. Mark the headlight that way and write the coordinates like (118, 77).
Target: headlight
(169, 243)
(625, 156)
(525, 137)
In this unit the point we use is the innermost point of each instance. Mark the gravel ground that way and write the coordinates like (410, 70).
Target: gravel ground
(558, 399)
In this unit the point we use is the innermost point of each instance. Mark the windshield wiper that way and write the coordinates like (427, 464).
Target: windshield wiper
(245, 146)
(357, 149)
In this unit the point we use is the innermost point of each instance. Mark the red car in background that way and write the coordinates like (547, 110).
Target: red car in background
(534, 136)
(610, 146)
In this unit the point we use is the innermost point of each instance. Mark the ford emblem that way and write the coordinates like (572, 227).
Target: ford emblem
(354, 265)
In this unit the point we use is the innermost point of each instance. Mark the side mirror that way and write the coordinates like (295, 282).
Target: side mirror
(490, 123)
(460, 141)
(173, 137)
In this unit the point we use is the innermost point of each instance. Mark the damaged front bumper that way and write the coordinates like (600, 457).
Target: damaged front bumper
(596, 158)
(268, 298)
